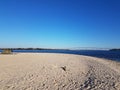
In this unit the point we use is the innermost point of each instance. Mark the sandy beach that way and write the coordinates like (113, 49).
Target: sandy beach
(50, 71)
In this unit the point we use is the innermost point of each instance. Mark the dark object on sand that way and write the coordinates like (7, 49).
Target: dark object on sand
(64, 68)
(6, 51)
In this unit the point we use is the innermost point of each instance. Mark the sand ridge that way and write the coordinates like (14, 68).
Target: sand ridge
(49, 71)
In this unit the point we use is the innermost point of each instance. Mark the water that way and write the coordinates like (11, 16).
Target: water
(112, 55)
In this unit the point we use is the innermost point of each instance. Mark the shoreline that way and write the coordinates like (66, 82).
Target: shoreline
(14, 53)
(53, 71)
(110, 55)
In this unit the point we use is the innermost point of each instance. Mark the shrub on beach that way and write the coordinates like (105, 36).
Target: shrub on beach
(7, 51)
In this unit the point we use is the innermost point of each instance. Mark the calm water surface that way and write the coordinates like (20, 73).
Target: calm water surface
(112, 55)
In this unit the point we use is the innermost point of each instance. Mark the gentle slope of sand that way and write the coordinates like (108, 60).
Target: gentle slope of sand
(44, 71)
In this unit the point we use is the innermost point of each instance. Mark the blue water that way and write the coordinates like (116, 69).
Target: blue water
(112, 55)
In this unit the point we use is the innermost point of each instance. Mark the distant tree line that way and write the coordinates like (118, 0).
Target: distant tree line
(31, 49)
(115, 49)
(24, 48)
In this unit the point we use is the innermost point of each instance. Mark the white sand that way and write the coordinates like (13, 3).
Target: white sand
(43, 71)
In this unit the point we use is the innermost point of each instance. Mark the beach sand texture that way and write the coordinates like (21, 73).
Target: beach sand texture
(49, 71)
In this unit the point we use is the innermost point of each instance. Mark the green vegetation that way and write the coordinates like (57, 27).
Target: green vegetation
(30, 49)
(7, 51)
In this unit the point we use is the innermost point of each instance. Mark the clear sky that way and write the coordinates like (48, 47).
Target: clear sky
(60, 23)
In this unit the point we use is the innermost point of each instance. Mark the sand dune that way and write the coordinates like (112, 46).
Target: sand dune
(44, 71)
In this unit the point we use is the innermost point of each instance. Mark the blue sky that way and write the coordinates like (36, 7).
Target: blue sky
(60, 23)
